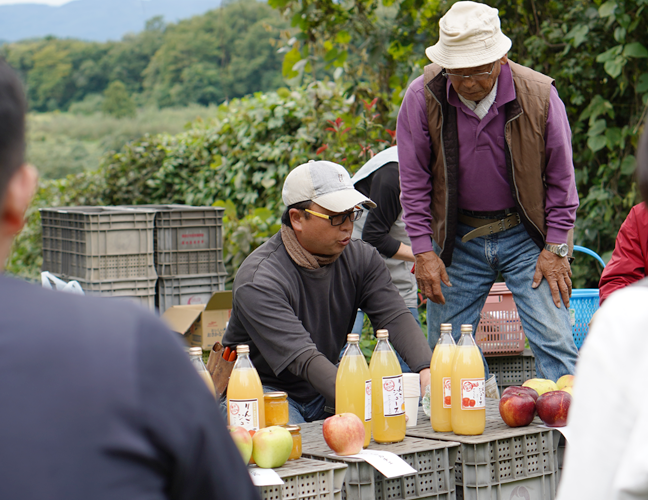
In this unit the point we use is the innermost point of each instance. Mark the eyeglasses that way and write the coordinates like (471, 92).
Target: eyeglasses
(478, 77)
(337, 220)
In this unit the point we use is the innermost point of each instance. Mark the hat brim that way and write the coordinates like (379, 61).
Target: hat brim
(469, 56)
(343, 201)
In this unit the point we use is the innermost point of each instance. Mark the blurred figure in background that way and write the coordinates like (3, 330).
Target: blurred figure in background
(630, 257)
(606, 456)
(99, 399)
(384, 229)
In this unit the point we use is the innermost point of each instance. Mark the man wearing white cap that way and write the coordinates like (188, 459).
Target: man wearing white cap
(487, 185)
(296, 296)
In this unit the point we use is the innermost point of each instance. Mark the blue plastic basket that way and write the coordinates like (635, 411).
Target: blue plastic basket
(583, 304)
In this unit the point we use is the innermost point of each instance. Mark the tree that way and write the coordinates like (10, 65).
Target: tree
(117, 102)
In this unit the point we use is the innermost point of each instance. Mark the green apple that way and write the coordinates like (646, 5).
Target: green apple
(565, 381)
(242, 440)
(271, 447)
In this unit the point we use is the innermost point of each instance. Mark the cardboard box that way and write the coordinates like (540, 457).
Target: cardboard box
(202, 325)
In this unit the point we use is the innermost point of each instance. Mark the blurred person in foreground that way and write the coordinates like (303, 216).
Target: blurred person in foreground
(99, 400)
(607, 450)
(629, 262)
(297, 295)
(488, 186)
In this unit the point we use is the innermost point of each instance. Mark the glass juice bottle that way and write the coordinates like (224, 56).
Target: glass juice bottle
(468, 387)
(195, 356)
(388, 399)
(353, 385)
(245, 405)
(440, 386)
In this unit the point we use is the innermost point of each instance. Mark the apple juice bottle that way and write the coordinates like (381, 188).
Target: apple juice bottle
(440, 386)
(195, 356)
(468, 387)
(353, 385)
(245, 405)
(388, 398)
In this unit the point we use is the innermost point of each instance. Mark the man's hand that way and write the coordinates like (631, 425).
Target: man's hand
(557, 271)
(430, 272)
(425, 379)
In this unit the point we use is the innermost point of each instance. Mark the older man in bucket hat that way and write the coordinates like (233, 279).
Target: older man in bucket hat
(296, 296)
(487, 183)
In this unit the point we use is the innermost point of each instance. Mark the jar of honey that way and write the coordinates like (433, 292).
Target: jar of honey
(276, 408)
(295, 431)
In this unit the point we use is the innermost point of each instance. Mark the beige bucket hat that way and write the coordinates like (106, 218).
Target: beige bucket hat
(469, 36)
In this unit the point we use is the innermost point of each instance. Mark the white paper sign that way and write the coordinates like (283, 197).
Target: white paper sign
(387, 463)
(264, 477)
(565, 431)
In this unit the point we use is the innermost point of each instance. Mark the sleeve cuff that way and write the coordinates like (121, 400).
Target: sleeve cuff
(421, 244)
(558, 236)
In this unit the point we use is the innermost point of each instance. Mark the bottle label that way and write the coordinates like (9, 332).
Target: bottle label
(393, 397)
(447, 392)
(244, 412)
(367, 400)
(473, 394)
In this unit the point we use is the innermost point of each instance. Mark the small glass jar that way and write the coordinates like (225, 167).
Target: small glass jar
(295, 431)
(276, 408)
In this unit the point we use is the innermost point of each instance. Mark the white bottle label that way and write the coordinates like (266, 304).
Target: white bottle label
(393, 397)
(447, 392)
(367, 400)
(244, 412)
(473, 394)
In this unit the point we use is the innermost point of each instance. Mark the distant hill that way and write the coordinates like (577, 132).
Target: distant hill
(97, 20)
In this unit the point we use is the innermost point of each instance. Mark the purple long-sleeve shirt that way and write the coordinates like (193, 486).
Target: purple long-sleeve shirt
(483, 179)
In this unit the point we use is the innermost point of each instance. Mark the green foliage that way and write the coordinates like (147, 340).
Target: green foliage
(117, 102)
(227, 52)
(60, 144)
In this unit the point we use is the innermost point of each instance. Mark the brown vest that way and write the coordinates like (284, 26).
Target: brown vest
(526, 117)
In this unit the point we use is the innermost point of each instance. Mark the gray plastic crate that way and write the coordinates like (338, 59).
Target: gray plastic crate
(183, 290)
(503, 459)
(307, 479)
(98, 243)
(140, 290)
(512, 370)
(433, 460)
(188, 240)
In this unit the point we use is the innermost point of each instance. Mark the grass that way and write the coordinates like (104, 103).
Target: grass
(60, 144)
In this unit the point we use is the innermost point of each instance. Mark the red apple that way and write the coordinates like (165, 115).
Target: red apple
(242, 440)
(528, 390)
(553, 408)
(517, 408)
(344, 433)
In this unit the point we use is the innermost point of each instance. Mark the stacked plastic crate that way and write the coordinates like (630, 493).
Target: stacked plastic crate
(188, 249)
(109, 251)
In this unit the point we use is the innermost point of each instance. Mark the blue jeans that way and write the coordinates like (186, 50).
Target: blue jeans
(475, 267)
(300, 413)
(357, 328)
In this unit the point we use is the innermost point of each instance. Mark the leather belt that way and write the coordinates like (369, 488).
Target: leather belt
(484, 227)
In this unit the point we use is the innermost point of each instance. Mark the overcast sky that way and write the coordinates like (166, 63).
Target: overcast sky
(48, 2)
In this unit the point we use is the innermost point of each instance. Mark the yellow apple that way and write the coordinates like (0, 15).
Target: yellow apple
(568, 389)
(565, 381)
(541, 385)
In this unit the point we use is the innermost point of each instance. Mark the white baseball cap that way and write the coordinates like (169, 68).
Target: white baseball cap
(325, 183)
(469, 36)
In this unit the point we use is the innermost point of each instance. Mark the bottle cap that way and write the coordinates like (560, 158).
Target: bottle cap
(195, 351)
(466, 329)
(382, 334)
(446, 327)
(353, 337)
(292, 428)
(275, 395)
(242, 349)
